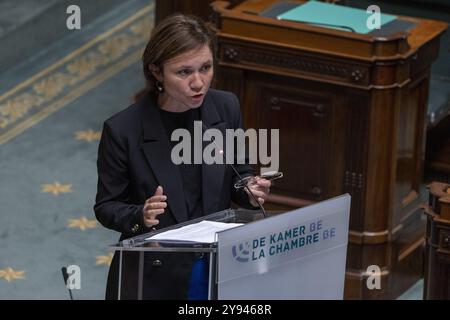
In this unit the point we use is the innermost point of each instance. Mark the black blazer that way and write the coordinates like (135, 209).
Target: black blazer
(133, 159)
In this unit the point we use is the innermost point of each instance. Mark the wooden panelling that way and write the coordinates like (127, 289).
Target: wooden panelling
(351, 114)
(437, 254)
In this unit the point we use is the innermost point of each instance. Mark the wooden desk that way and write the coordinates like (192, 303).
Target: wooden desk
(437, 254)
(351, 112)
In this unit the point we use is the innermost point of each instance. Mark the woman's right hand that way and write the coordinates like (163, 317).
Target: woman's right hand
(153, 207)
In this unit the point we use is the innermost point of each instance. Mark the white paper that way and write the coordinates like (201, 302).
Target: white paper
(204, 232)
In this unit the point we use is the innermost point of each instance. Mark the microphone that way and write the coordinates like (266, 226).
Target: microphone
(66, 277)
(241, 180)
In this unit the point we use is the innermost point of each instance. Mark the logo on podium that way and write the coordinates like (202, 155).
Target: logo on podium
(241, 252)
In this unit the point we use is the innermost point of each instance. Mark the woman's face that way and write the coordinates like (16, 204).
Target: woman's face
(186, 79)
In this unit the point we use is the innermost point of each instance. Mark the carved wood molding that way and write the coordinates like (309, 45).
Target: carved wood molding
(300, 64)
(367, 237)
(440, 199)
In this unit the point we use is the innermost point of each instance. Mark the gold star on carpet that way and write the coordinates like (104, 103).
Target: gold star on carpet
(83, 223)
(56, 188)
(104, 259)
(9, 274)
(88, 135)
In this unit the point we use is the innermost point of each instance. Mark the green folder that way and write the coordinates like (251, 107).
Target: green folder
(333, 16)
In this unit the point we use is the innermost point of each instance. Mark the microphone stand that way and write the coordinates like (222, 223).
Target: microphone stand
(247, 188)
(241, 180)
(66, 277)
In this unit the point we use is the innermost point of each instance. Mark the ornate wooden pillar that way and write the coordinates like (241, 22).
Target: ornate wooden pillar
(437, 254)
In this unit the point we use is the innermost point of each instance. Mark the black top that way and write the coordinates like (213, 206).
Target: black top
(133, 159)
(191, 173)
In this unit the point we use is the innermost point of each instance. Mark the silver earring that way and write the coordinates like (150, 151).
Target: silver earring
(159, 86)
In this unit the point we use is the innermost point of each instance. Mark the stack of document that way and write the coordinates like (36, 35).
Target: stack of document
(204, 232)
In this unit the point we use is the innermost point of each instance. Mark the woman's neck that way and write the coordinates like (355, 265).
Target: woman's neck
(167, 105)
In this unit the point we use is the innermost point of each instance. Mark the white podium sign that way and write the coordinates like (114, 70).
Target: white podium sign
(300, 254)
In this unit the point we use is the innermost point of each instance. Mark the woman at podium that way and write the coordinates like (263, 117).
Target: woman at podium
(140, 186)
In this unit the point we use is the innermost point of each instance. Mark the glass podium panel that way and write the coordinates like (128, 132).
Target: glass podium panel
(141, 260)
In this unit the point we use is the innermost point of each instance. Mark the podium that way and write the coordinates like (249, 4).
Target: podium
(295, 255)
(351, 111)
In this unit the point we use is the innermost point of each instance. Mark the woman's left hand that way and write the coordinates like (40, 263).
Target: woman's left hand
(260, 188)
